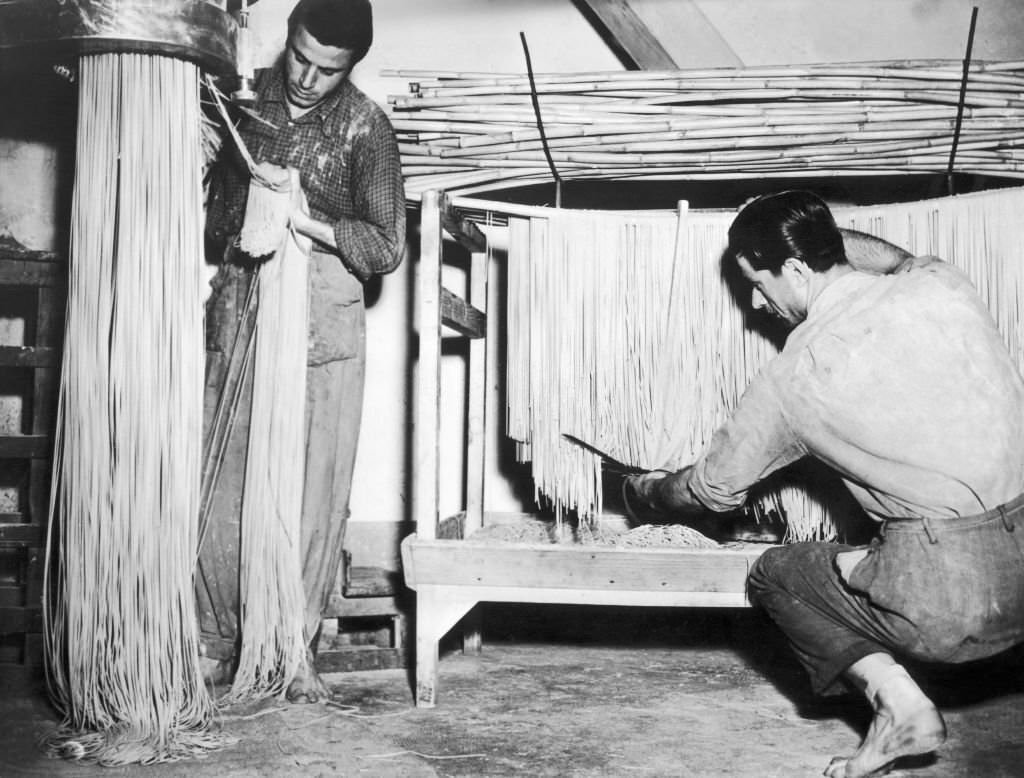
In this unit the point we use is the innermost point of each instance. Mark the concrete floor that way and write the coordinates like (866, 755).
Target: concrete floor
(580, 692)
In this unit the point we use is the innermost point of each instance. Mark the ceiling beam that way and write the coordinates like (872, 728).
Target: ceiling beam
(627, 34)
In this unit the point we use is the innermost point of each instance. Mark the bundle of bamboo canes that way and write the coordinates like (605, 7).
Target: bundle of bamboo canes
(467, 132)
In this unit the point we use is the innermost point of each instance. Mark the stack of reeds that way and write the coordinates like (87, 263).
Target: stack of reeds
(469, 132)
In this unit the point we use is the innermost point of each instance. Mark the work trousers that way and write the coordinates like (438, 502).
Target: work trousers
(334, 397)
(939, 590)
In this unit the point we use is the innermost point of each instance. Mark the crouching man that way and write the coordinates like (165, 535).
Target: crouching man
(894, 375)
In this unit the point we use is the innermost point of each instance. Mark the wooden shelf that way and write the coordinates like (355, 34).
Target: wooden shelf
(22, 619)
(22, 535)
(25, 446)
(29, 356)
(461, 316)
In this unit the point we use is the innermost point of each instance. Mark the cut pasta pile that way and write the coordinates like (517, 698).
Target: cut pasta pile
(121, 644)
(623, 332)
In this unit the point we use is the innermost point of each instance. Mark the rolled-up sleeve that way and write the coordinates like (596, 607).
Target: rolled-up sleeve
(756, 441)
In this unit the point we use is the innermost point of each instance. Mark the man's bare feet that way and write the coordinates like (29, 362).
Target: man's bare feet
(906, 723)
(307, 687)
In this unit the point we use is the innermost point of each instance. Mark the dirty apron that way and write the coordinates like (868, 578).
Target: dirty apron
(335, 374)
(935, 590)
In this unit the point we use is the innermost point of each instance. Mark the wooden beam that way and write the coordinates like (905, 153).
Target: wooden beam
(25, 446)
(465, 232)
(426, 472)
(21, 619)
(628, 34)
(29, 356)
(22, 272)
(461, 316)
(22, 535)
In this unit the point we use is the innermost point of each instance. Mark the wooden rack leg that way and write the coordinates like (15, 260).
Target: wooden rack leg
(476, 447)
(438, 609)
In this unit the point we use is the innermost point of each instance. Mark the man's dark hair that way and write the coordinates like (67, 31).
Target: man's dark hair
(775, 227)
(344, 24)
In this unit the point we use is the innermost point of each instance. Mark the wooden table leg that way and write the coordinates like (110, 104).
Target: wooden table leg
(438, 609)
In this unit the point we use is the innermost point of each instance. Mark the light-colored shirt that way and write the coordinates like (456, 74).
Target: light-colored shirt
(901, 383)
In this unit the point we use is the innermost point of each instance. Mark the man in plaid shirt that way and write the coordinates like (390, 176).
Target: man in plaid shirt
(316, 121)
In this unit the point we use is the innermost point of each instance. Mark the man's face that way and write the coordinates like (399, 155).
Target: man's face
(784, 295)
(313, 71)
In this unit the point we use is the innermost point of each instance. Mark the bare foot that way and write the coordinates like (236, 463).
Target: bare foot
(893, 734)
(306, 687)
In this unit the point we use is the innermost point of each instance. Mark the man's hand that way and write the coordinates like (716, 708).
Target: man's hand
(642, 490)
(662, 491)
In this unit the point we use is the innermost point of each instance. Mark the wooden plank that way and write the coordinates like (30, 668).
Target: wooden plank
(581, 596)
(428, 411)
(348, 660)
(476, 440)
(25, 446)
(371, 582)
(13, 518)
(34, 575)
(15, 620)
(629, 35)
(525, 568)
(465, 232)
(462, 317)
(11, 597)
(360, 607)
(29, 356)
(22, 535)
(17, 272)
(701, 46)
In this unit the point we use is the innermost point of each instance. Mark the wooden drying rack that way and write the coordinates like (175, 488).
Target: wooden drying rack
(451, 572)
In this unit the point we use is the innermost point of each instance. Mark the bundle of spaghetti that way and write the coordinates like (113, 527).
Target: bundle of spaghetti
(580, 353)
(466, 132)
(267, 214)
(270, 577)
(121, 647)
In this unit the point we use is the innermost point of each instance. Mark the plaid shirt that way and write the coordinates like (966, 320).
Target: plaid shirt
(347, 157)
